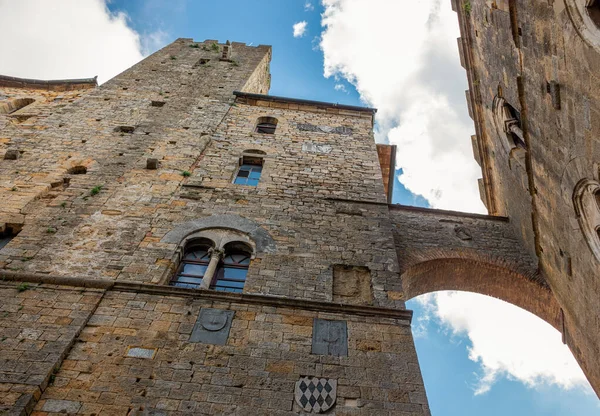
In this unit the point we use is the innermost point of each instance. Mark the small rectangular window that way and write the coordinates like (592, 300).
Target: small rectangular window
(248, 175)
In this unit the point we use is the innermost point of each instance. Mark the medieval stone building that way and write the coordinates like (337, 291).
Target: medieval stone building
(177, 241)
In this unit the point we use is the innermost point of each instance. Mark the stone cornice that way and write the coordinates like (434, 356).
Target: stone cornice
(211, 295)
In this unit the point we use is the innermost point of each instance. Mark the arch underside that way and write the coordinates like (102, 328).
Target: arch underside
(483, 278)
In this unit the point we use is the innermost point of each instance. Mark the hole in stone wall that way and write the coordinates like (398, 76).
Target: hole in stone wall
(157, 103)
(77, 170)
(124, 129)
(8, 232)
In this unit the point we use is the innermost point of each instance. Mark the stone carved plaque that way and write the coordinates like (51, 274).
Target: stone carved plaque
(330, 338)
(315, 394)
(212, 326)
(316, 148)
(140, 352)
(352, 285)
(463, 233)
(324, 129)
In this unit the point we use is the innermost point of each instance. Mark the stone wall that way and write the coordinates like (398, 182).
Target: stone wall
(267, 350)
(38, 326)
(542, 59)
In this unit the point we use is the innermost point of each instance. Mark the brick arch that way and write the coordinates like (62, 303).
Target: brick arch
(485, 278)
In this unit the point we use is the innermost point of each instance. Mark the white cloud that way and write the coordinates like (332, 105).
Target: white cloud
(68, 39)
(300, 29)
(506, 341)
(403, 59)
(308, 7)
(340, 87)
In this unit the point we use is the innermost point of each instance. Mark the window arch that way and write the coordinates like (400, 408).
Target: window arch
(508, 122)
(221, 266)
(266, 125)
(194, 263)
(585, 15)
(233, 268)
(586, 199)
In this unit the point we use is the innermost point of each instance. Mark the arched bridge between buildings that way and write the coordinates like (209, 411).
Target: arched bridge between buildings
(441, 250)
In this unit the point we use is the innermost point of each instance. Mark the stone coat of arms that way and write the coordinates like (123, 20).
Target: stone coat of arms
(315, 394)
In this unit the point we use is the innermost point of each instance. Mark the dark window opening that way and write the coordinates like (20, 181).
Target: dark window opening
(124, 129)
(593, 9)
(232, 270)
(266, 125)
(8, 232)
(193, 266)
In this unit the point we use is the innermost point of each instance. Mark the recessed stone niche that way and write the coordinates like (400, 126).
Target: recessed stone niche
(352, 285)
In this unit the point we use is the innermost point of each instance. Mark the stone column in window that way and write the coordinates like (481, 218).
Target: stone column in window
(209, 275)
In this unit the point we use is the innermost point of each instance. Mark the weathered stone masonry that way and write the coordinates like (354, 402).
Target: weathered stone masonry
(97, 225)
(105, 189)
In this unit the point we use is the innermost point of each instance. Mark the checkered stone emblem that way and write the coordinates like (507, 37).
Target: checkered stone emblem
(316, 394)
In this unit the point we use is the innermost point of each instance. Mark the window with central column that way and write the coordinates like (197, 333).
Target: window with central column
(206, 265)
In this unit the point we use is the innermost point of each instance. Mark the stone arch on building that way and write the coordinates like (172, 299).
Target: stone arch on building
(261, 239)
(485, 278)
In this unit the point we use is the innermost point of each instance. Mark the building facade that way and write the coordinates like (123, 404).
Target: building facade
(176, 241)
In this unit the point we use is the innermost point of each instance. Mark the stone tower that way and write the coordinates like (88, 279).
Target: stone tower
(177, 241)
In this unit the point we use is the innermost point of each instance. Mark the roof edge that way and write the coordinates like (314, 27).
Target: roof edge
(274, 98)
(56, 84)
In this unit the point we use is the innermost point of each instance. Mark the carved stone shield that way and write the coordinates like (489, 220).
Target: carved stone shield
(315, 394)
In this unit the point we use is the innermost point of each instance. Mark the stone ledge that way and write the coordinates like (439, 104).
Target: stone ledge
(245, 298)
(50, 85)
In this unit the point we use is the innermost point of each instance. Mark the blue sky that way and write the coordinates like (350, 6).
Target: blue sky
(397, 61)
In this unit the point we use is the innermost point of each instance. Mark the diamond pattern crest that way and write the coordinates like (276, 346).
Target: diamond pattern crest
(315, 394)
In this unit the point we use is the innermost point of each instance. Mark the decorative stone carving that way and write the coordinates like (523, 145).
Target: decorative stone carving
(325, 129)
(316, 395)
(330, 338)
(352, 285)
(212, 326)
(463, 233)
(316, 148)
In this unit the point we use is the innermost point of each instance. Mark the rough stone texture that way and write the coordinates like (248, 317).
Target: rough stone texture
(542, 58)
(266, 352)
(38, 326)
(92, 214)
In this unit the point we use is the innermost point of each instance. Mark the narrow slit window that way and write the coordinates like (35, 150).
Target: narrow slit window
(192, 267)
